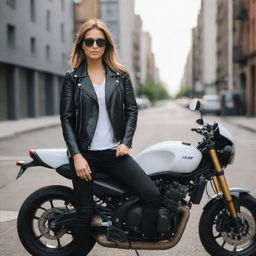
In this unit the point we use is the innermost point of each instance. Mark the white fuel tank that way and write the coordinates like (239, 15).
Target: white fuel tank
(172, 156)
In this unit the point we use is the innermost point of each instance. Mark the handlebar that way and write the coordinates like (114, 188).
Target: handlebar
(206, 130)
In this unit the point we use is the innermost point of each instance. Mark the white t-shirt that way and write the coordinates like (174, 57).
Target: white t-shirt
(103, 136)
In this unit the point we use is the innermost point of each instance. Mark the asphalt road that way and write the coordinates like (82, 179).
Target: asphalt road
(166, 121)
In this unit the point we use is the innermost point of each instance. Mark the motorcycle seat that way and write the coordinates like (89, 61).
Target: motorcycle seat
(57, 158)
(52, 157)
(103, 182)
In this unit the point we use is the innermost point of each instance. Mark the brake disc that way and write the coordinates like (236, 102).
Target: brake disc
(43, 227)
(245, 235)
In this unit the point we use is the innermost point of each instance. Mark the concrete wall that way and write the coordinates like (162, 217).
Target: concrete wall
(209, 36)
(109, 14)
(19, 17)
(30, 81)
(3, 93)
(127, 26)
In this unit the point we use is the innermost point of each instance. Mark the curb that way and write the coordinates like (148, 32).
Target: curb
(245, 127)
(29, 129)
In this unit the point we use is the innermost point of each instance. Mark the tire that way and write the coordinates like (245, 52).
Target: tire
(30, 218)
(218, 243)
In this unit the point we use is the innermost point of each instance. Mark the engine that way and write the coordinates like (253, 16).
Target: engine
(167, 219)
(173, 195)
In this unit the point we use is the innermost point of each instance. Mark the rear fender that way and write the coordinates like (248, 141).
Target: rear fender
(35, 162)
(24, 166)
(235, 193)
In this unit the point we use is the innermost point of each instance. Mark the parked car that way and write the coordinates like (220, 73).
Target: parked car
(232, 103)
(211, 104)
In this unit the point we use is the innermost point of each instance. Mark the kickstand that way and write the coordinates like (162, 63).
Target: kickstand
(137, 252)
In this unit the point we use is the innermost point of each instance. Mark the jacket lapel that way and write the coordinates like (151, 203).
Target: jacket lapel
(85, 82)
(87, 86)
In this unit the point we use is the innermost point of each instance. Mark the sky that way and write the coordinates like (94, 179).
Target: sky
(169, 23)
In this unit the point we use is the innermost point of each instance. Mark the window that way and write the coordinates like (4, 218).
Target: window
(48, 52)
(109, 12)
(11, 3)
(64, 59)
(32, 11)
(48, 21)
(62, 5)
(62, 32)
(33, 46)
(11, 36)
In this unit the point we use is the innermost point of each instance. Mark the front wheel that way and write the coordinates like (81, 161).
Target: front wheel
(218, 234)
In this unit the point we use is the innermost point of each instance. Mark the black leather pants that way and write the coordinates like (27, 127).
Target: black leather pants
(124, 169)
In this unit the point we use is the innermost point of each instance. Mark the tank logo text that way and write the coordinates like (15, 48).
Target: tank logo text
(188, 157)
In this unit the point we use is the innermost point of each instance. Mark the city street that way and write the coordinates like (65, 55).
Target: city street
(166, 121)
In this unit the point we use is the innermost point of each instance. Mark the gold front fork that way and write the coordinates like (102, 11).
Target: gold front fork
(220, 182)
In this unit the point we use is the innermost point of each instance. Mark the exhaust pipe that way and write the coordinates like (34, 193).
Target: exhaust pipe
(161, 245)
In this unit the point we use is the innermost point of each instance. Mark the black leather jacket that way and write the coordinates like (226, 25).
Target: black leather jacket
(79, 108)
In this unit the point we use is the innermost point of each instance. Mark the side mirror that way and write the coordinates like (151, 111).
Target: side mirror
(200, 121)
(194, 104)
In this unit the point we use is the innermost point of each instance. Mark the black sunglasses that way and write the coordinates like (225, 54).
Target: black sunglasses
(101, 42)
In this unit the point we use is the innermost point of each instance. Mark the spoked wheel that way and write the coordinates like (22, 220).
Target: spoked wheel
(221, 237)
(37, 213)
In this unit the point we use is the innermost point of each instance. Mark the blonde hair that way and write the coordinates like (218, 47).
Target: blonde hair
(110, 55)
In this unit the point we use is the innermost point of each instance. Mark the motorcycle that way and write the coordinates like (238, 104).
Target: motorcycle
(180, 170)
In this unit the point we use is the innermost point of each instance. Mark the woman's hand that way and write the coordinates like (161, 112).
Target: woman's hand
(122, 150)
(82, 167)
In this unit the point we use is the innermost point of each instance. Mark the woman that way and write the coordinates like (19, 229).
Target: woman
(98, 117)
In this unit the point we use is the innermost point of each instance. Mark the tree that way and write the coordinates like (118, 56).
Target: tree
(153, 91)
(184, 92)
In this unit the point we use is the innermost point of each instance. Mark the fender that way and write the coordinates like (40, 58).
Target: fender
(235, 192)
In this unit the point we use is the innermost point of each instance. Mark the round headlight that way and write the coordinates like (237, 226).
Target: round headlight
(227, 155)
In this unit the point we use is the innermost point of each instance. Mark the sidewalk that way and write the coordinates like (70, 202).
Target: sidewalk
(248, 123)
(10, 129)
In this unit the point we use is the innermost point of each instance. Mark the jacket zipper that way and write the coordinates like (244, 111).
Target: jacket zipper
(81, 114)
(94, 126)
(80, 125)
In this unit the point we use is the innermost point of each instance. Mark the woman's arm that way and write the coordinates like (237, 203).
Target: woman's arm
(67, 114)
(130, 112)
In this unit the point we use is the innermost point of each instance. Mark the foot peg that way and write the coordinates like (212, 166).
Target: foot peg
(115, 234)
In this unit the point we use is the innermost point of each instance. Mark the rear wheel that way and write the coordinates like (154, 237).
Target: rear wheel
(35, 215)
(219, 235)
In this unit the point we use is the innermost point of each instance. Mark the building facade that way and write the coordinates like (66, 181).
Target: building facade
(145, 42)
(244, 52)
(233, 50)
(110, 15)
(126, 32)
(137, 49)
(251, 61)
(187, 77)
(119, 15)
(222, 45)
(35, 43)
(197, 84)
(208, 49)
(84, 10)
